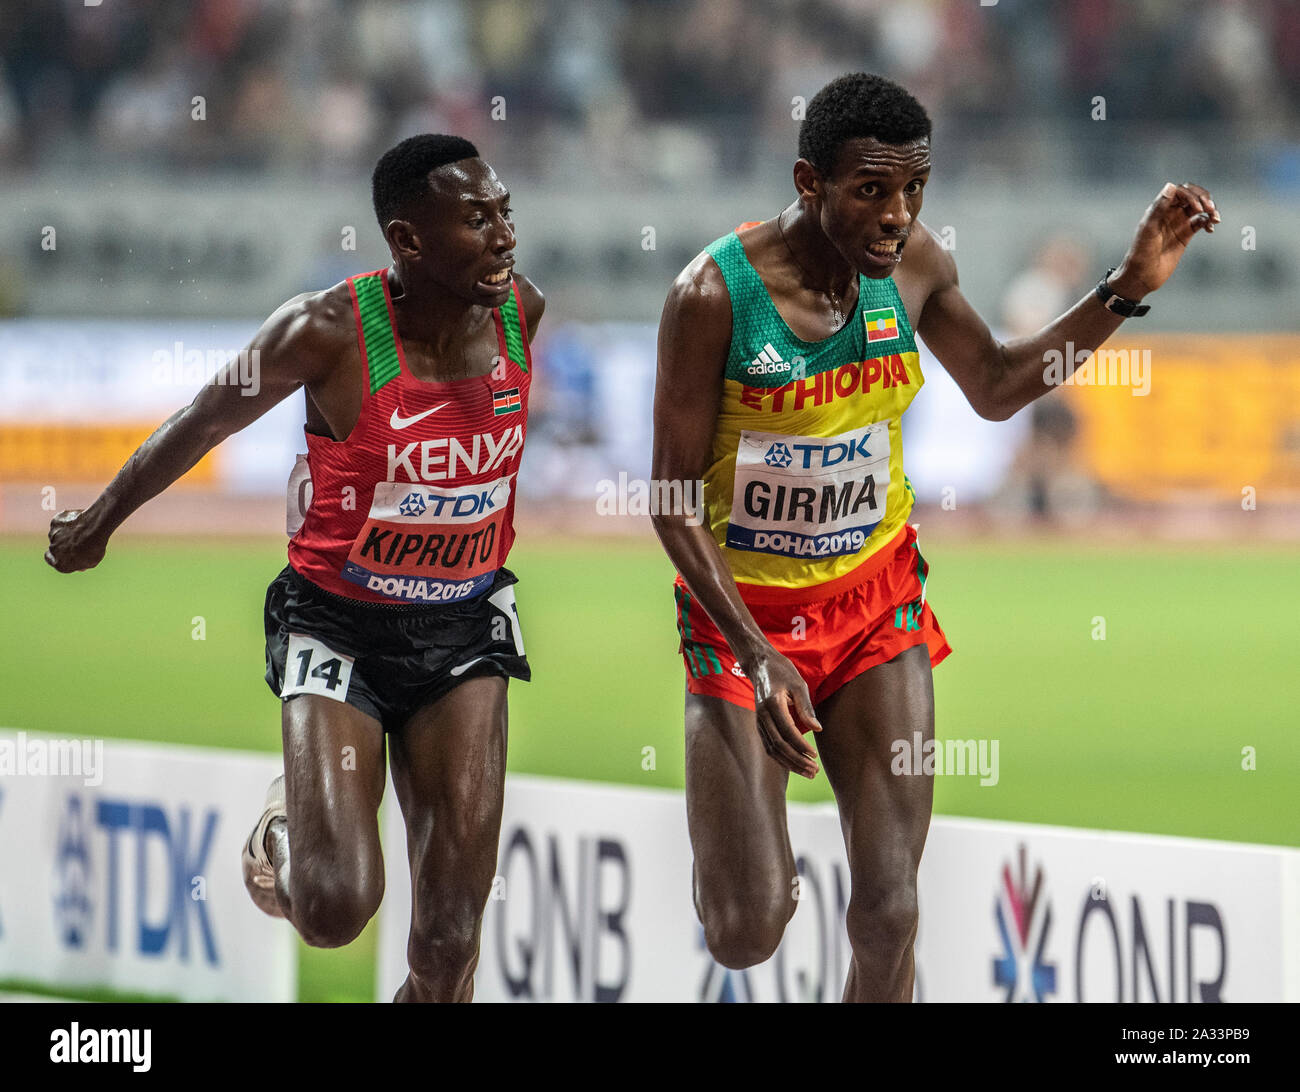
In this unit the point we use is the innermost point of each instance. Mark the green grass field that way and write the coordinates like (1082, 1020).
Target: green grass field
(1141, 731)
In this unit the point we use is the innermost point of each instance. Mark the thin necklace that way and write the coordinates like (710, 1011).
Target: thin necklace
(837, 307)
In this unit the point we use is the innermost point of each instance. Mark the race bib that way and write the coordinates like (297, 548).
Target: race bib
(809, 496)
(312, 667)
(297, 496)
(424, 544)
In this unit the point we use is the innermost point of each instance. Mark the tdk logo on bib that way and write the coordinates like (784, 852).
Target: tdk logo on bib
(832, 452)
(778, 455)
(809, 496)
(430, 545)
(413, 505)
(397, 501)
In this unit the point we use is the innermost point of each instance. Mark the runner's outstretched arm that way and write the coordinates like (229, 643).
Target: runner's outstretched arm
(694, 333)
(298, 344)
(1000, 379)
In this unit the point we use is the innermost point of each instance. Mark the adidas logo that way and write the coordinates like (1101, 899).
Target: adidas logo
(767, 362)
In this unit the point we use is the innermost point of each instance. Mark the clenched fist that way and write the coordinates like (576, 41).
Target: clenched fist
(76, 542)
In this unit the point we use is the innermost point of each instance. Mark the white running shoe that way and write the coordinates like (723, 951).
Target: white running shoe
(259, 872)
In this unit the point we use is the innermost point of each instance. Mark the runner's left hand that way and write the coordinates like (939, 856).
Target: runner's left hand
(1167, 226)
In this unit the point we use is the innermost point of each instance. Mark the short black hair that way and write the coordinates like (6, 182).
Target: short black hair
(402, 173)
(859, 105)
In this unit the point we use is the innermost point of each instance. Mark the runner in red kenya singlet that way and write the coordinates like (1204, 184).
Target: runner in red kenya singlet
(439, 460)
(394, 623)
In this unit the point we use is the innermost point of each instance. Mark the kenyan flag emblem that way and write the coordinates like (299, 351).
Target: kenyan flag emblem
(505, 401)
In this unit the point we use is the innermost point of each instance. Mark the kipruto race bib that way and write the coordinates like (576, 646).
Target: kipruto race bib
(428, 545)
(809, 496)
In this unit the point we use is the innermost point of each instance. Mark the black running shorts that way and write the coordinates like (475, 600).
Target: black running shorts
(387, 661)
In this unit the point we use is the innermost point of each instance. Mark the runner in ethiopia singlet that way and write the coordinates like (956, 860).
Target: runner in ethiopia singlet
(806, 480)
(805, 491)
(417, 504)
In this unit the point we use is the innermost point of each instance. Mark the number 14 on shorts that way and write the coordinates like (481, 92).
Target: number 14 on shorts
(314, 668)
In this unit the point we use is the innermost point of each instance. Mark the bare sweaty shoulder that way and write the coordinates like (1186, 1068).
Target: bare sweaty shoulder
(929, 257)
(309, 335)
(926, 268)
(694, 337)
(699, 304)
(534, 303)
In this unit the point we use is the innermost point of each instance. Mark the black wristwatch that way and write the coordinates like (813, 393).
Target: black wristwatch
(1118, 304)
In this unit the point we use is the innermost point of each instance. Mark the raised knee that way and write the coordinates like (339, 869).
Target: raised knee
(333, 913)
(740, 935)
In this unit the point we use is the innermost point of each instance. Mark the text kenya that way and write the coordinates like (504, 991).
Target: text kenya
(439, 460)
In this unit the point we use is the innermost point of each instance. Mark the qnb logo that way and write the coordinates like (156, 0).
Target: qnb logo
(1118, 956)
(413, 505)
(778, 455)
(562, 931)
(145, 866)
(1024, 919)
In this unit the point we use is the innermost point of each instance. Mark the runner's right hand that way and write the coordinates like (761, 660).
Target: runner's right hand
(76, 543)
(782, 704)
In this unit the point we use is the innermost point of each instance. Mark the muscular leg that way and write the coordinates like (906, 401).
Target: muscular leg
(332, 798)
(885, 817)
(449, 765)
(735, 809)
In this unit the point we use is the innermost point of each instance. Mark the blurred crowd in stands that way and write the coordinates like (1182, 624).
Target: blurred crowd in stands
(626, 87)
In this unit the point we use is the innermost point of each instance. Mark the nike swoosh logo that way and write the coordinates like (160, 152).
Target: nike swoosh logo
(402, 422)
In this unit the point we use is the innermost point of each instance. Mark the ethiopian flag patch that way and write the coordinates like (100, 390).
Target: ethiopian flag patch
(505, 401)
(881, 324)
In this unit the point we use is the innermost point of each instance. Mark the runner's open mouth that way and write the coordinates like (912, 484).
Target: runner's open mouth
(887, 248)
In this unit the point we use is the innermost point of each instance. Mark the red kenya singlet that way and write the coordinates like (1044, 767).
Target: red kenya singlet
(417, 504)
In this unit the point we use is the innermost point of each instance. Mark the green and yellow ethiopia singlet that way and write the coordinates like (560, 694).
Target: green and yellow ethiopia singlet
(805, 479)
